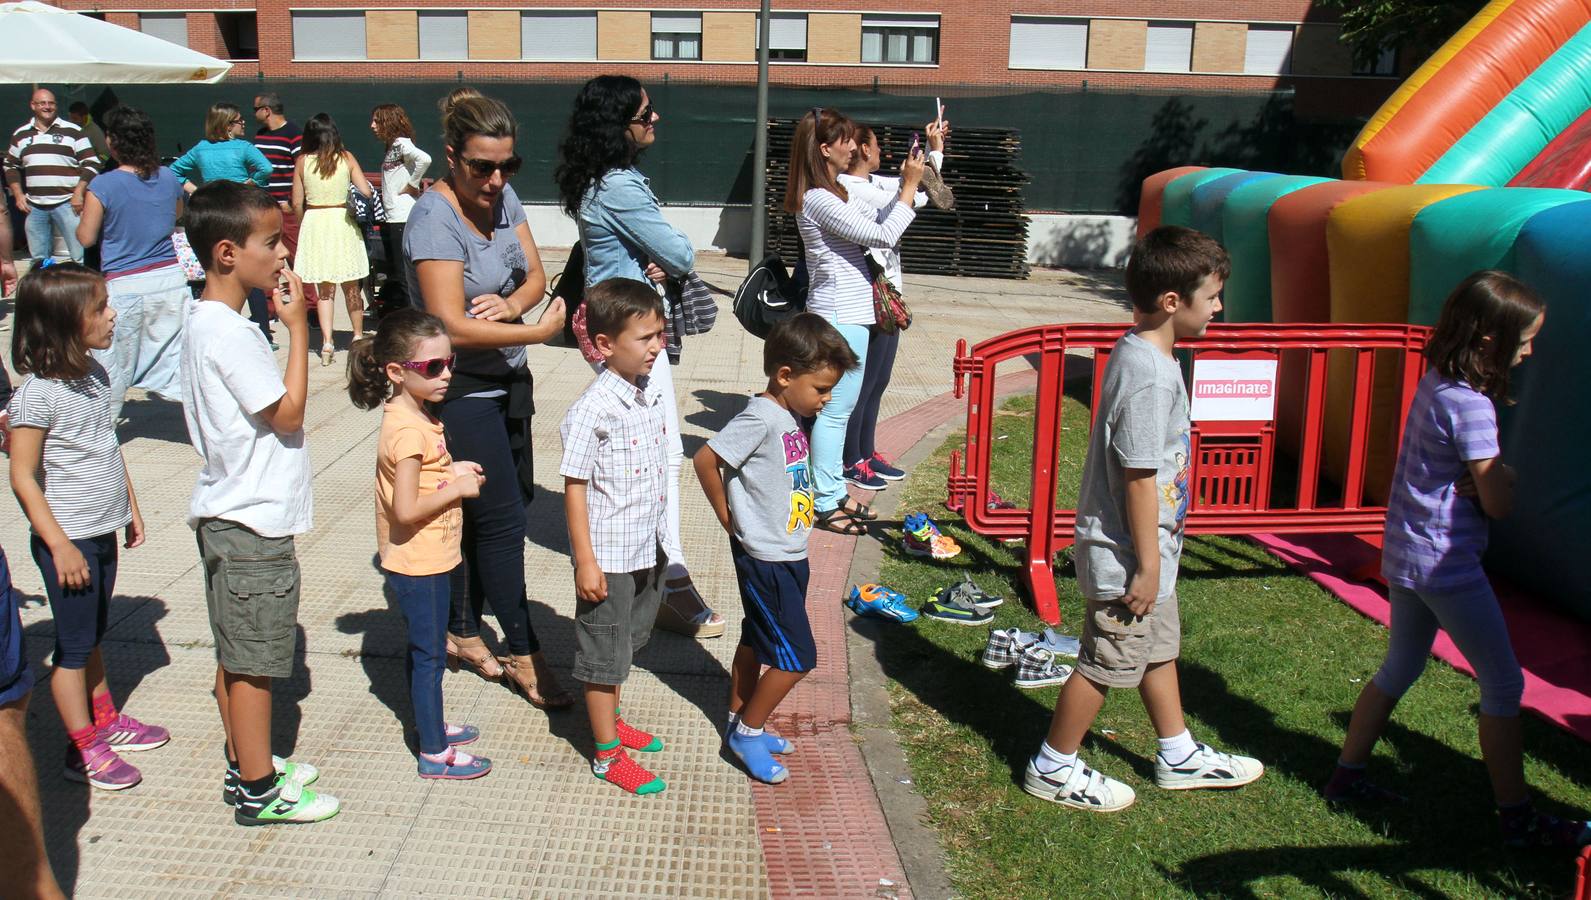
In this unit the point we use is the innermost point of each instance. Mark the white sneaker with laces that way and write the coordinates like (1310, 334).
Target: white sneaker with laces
(1207, 768)
(1078, 786)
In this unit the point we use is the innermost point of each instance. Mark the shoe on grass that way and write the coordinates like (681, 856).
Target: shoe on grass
(1537, 830)
(885, 469)
(863, 476)
(880, 601)
(753, 753)
(1005, 647)
(125, 734)
(956, 610)
(966, 590)
(923, 538)
(1207, 768)
(452, 764)
(1037, 668)
(288, 803)
(100, 767)
(303, 773)
(1079, 787)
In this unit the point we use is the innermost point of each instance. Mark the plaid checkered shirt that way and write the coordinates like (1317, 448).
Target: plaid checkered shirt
(614, 437)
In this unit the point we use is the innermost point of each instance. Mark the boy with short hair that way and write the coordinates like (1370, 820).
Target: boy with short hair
(615, 501)
(766, 505)
(253, 493)
(1129, 535)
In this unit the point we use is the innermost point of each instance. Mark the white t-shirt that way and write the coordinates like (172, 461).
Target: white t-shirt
(251, 475)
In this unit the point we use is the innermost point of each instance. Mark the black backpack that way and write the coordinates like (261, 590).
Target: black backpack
(768, 296)
(570, 284)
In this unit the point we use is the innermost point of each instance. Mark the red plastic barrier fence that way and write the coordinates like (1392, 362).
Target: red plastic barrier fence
(1235, 370)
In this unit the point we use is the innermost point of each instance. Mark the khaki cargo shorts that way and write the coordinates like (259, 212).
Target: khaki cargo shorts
(609, 634)
(1118, 646)
(251, 586)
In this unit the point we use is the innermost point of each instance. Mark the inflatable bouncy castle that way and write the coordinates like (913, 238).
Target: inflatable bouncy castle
(1482, 159)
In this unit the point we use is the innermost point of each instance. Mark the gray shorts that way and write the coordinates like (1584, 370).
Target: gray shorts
(251, 586)
(607, 634)
(1118, 646)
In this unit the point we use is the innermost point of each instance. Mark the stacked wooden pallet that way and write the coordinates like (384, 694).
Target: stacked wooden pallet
(984, 235)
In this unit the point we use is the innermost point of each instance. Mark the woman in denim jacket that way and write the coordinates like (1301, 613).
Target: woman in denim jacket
(624, 235)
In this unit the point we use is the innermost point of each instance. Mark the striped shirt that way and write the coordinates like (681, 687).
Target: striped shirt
(84, 479)
(280, 146)
(837, 237)
(614, 437)
(1434, 538)
(49, 164)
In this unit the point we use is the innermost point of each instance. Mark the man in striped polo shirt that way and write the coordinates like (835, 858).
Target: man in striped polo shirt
(279, 140)
(48, 165)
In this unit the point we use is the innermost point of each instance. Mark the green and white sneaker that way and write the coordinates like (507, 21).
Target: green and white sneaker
(1207, 768)
(301, 772)
(289, 803)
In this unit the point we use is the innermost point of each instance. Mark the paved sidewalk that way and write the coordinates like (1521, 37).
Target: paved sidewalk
(539, 825)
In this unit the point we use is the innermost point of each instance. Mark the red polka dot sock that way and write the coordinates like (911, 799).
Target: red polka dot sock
(83, 738)
(104, 710)
(635, 739)
(615, 766)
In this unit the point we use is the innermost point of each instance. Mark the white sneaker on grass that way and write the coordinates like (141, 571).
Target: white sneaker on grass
(1078, 786)
(1207, 768)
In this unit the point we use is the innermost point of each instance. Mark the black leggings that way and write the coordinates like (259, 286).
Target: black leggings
(881, 347)
(494, 525)
(394, 291)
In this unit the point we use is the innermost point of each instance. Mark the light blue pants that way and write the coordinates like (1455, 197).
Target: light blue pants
(1472, 618)
(46, 222)
(147, 346)
(828, 432)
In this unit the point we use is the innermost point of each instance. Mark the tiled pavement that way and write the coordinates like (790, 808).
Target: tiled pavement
(539, 825)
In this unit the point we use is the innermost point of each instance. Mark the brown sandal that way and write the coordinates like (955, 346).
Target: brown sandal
(521, 678)
(473, 654)
(840, 521)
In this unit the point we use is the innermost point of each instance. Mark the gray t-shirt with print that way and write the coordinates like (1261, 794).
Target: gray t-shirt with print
(769, 480)
(1141, 423)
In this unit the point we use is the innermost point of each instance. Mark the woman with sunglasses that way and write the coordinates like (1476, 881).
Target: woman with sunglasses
(223, 155)
(331, 248)
(472, 263)
(624, 235)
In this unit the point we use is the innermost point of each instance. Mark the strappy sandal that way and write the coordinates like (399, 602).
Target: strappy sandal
(840, 521)
(692, 617)
(858, 510)
(473, 654)
(522, 679)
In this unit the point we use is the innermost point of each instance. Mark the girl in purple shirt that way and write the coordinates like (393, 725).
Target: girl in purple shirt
(1449, 480)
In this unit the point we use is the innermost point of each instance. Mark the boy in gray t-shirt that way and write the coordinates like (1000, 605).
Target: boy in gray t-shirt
(1134, 498)
(757, 475)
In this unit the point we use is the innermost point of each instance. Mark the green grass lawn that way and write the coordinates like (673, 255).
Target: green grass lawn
(1271, 665)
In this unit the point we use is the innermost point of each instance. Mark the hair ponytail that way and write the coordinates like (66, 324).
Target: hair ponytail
(396, 337)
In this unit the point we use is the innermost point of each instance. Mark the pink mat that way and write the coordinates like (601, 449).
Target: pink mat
(1553, 647)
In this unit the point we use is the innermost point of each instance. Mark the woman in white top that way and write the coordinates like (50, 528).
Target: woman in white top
(877, 195)
(402, 171)
(836, 236)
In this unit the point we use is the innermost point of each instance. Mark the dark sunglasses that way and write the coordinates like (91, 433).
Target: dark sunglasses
(646, 115)
(483, 168)
(430, 368)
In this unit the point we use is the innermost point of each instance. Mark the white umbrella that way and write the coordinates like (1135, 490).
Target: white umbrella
(41, 43)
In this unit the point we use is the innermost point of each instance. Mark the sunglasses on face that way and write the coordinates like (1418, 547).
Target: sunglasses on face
(646, 115)
(483, 168)
(235, 122)
(430, 368)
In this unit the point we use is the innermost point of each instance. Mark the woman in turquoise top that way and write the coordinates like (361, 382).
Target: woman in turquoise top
(223, 155)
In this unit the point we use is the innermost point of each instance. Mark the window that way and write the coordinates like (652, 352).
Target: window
(171, 27)
(1385, 63)
(558, 35)
(1269, 50)
(240, 34)
(676, 36)
(787, 37)
(332, 34)
(900, 39)
(1169, 47)
(1049, 43)
(444, 34)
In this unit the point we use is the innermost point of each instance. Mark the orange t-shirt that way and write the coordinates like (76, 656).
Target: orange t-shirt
(425, 548)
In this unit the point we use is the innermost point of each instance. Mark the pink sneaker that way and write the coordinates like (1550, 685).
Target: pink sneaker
(100, 767)
(125, 733)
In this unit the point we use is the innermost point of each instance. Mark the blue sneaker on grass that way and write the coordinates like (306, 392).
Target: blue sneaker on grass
(878, 600)
(753, 753)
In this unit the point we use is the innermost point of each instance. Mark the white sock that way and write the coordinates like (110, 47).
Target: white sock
(744, 730)
(734, 719)
(1051, 760)
(1177, 748)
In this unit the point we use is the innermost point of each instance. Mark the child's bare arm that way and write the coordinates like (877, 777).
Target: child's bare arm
(135, 528)
(1143, 522)
(286, 415)
(590, 584)
(711, 476)
(409, 508)
(27, 450)
(1494, 485)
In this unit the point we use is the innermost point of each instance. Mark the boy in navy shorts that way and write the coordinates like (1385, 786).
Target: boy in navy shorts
(758, 478)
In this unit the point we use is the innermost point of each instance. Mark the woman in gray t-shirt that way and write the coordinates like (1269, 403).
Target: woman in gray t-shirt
(471, 262)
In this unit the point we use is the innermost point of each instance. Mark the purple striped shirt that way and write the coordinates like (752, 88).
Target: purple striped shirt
(1434, 538)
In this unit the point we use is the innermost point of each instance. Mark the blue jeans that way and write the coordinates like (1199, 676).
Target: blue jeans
(147, 346)
(425, 600)
(828, 432)
(44, 222)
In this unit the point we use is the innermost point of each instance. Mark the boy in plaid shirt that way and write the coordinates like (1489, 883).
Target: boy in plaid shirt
(615, 500)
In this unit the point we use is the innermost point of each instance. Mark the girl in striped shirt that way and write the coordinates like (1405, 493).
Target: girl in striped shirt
(68, 474)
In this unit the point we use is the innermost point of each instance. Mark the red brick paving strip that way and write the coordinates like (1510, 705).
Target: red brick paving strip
(823, 831)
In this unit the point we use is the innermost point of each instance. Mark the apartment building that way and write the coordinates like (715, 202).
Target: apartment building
(1239, 45)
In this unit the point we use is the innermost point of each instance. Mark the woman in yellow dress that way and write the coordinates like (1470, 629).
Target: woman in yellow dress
(331, 248)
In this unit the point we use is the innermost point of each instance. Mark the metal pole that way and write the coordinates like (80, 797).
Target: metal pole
(759, 163)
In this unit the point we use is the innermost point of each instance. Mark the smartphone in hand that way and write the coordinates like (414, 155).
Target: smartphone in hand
(917, 144)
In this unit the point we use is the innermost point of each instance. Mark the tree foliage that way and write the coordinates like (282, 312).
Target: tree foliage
(1415, 26)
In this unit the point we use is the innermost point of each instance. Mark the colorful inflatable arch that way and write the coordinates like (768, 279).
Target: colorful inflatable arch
(1481, 159)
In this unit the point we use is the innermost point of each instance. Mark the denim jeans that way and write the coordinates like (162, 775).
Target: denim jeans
(494, 525)
(425, 601)
(859, 434)
(828, 432)
(44, 222)
(146, 349)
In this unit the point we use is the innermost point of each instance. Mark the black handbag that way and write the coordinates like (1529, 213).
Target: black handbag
(767, 297)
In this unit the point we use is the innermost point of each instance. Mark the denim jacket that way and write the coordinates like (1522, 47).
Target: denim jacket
(622, 229)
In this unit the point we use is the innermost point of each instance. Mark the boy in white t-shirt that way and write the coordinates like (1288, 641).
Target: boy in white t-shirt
(253, 494)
